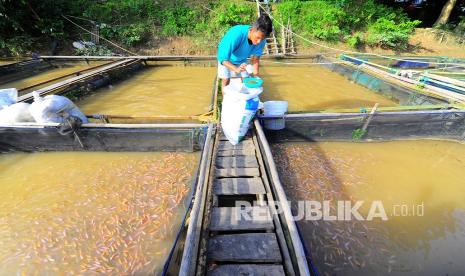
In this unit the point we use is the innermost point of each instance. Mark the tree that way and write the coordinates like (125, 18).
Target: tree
(445, 13)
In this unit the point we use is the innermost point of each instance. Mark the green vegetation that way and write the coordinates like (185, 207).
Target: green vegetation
(358, 134)
(356, 22)
(131, 23)
(218, 17)
(97, 50)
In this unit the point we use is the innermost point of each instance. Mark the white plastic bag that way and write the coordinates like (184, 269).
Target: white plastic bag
(50, 109)
(8, 97)
(238, 108)
(16, 113)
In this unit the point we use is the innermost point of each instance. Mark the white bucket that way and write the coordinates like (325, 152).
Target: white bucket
(275, 108)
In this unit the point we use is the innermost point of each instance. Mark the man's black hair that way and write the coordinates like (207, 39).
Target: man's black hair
(264, 24)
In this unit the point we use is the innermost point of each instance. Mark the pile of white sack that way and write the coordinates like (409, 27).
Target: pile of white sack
(48, 109)
(240, 103)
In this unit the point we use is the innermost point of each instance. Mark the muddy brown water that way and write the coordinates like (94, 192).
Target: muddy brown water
(310, 88)
(187, 90)
(156, 90)
(91, 212)
(420, 185)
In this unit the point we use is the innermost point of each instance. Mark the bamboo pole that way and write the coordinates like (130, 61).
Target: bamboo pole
(459, 89)
(358, 114)
(94, 125)
(462, 74)
(64, 76)
(156, 117)
(166, 58)
(427, 90)
(370, 117)
(446, 79)
(392, 108)
(65, 83)
(153, 58)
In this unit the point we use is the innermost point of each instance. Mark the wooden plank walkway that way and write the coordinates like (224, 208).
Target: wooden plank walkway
(229, 219)
(237, 225)
(248, 269)
(240, 240)
(247, 248)
(238, 186)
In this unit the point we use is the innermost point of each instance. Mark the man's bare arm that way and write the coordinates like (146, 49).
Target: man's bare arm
(256, 64)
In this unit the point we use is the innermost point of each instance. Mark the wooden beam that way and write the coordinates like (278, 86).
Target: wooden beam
(237, 152)
(225, 145)
(226, 162)
(238, 186)
(231, 219)
(281, 197)
(250, 247)
(237, 172)
(247, 269)
(282, 239)
(190, 251)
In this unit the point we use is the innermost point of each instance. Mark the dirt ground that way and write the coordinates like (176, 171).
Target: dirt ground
(425, 42)
(436, 44)
(175, 46)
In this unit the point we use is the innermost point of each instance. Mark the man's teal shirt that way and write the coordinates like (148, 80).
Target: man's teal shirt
(234, 46)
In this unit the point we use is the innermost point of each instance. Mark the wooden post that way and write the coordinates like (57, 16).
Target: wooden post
(283, 38)
(291, 39)
(258, 8)
(287, 33)
(97, 32)
(275, 41)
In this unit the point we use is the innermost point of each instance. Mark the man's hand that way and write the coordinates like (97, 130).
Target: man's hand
(240, 69)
